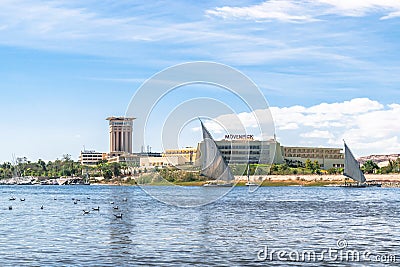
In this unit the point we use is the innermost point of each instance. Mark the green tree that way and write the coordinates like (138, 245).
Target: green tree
(369, 167)
(308, 164)
(107, 174)
(116, 169)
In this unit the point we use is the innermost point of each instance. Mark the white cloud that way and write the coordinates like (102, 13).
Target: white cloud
(53, 20)
(290, 126)
(274, 9)
(77, 26)
(305, 10)
(368, 126)
(391, 15)
(317, 134)
(258, 123)
(354, 106)
(361, 7)
(333, 115)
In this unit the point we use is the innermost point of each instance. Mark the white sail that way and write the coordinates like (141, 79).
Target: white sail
(213, 164)
(352, 167)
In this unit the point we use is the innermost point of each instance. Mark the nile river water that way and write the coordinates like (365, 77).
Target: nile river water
(239, 229)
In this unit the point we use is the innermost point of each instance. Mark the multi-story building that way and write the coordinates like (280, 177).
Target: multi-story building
(326, 157)
(121, 129)
(130, 159)
(91, 157)
(242, 151)
(150, 162)
(188, 154)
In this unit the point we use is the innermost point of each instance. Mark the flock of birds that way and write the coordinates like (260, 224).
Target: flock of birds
(76, 201)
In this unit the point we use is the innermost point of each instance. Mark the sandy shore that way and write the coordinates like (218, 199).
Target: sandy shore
(389, 180)
(369, 177)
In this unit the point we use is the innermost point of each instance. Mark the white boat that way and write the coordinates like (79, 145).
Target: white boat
(217, 184)
(213, 164)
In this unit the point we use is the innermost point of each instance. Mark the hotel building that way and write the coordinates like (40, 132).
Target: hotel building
(188, 154)
(242, 151)
(326, 157)
(120, 129)
(91, 157)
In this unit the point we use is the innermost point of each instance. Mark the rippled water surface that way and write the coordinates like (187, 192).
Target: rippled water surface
(228, 232)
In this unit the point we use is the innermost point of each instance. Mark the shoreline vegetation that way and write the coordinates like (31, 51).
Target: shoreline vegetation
(392, 180)
(286, 174)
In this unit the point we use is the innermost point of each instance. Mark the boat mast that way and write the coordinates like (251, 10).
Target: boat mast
(248, 172)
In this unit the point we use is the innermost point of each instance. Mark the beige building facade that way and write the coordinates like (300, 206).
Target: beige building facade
(120, 129)
(130, 159)
(151, 162)
(91, 157)
(242, 151)
(326, 157)
(271, 151)
(188, 154)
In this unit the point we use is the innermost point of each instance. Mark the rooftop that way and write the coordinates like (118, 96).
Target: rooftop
(120, 119)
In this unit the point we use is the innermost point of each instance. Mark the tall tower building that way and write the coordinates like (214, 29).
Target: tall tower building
(121, 129)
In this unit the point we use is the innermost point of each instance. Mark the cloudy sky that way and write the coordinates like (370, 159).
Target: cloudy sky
(328, 68)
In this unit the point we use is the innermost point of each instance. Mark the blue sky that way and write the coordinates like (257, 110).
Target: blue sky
(67, 65)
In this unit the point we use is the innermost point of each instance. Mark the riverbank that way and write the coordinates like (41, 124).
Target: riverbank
(389, 180)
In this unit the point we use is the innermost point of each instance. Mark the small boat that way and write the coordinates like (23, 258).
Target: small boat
(116, 207)
(22, 199)
(217, 184)
(248, 183)
(86, 211)
(12, 198)
(96, 209)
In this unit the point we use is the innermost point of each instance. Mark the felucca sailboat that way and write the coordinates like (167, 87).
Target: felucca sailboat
(213, 164)
(248, 177)
(352, 170)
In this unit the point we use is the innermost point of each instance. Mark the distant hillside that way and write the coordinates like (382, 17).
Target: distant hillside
(381, 160)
